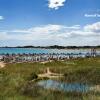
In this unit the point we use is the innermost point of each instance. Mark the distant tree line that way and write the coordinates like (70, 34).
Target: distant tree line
(55, 47)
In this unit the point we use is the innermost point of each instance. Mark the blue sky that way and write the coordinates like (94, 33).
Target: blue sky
(49, 22)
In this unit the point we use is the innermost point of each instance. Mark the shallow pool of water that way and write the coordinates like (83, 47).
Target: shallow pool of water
(61, 86)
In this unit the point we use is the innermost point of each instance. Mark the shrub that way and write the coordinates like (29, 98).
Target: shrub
(33, 76)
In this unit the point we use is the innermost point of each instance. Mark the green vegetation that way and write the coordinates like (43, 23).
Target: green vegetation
(16, 84)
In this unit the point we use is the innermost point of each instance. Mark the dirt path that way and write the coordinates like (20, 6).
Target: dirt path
(44, 62)
(49, 74)
(2, 64)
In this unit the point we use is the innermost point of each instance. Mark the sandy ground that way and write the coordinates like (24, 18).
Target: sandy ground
(44, 62)
(49, 74)
(95, 88)
(2, 64)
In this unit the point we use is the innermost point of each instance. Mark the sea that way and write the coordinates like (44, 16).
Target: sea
(45, 51)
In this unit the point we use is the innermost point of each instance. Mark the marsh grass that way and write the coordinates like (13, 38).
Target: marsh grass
(15, 77)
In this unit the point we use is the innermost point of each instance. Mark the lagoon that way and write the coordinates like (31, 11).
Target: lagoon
(45, 51)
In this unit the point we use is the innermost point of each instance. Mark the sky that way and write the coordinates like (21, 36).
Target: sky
(49, 22)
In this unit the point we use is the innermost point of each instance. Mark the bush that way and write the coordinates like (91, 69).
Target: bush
(33, 76)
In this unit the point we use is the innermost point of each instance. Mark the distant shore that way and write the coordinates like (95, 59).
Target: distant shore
(56, 47)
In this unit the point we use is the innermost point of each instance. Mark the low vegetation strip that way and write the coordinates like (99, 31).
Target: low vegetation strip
(16, 78)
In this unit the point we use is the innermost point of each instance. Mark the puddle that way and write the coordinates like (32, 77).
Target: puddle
(61, 86)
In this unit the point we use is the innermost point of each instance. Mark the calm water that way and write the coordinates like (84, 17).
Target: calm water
(37, 50)
(61, 86)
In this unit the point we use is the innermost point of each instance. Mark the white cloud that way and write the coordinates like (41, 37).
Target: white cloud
(55, 34)
(93, 27)
(55, 4)
(76, 27)
(47, 29)
(3, 36)
(1, 17)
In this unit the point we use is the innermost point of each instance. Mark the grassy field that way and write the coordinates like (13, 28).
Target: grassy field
(15, 79)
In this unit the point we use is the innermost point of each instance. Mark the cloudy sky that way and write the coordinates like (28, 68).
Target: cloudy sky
(49, 22)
